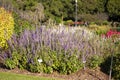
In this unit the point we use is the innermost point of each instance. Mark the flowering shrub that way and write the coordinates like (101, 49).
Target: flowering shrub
(112, 33)
(63, 50)
(6, 26)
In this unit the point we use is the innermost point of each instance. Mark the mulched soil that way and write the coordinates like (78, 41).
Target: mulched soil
(87, 74)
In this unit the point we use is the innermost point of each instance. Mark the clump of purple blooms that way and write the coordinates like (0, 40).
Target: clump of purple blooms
(60, 39)
(67, 41)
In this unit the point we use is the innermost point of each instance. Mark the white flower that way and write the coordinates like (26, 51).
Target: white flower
(84, 61)
(40, 60)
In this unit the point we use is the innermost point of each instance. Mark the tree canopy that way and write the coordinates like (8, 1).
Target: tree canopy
(113, 8)
(59, 10)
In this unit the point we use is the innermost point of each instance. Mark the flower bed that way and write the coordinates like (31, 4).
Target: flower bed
(47, 50)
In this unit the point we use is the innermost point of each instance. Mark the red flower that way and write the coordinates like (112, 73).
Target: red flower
(110, 33)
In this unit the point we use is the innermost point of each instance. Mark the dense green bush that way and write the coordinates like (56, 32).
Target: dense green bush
(116, 66)
(35, 66)
(16, 60)
(10, 64)
(20, 24)
(51, 61)
(105, 65)
(105, 23)
(13, 61)
(95, 61)
(116, 62)
(62, 63)
(118, 29)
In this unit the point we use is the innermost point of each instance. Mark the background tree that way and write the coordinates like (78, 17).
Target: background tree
(113, 8)
(59, 10)
(52, 10)
(31, 10)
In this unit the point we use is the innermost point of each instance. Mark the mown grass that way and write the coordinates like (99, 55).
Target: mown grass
(12, 76)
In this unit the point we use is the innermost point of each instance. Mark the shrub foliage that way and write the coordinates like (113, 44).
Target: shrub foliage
(6, 26)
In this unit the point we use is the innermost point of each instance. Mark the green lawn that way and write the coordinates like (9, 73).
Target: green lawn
(11, 76)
